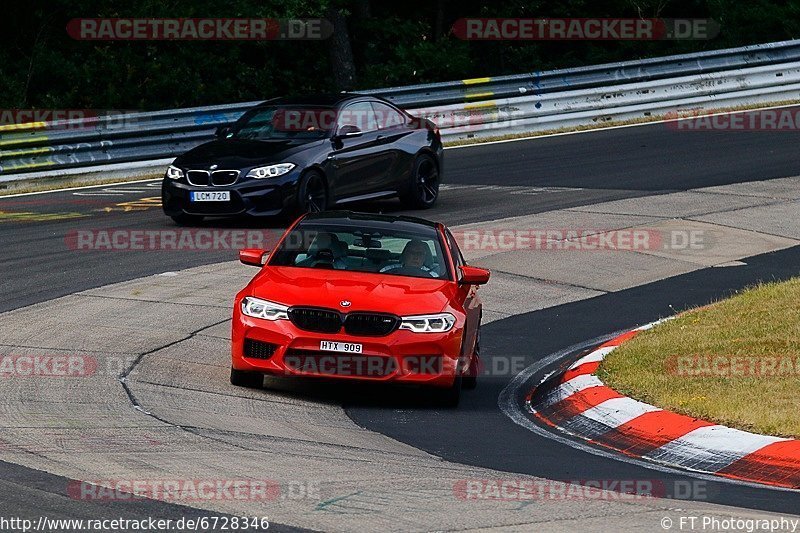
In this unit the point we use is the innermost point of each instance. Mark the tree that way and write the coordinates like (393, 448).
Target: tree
(341, 51)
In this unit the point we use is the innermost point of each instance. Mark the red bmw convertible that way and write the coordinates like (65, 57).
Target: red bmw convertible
(359, 296)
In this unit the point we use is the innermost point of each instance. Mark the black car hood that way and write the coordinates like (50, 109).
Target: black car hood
(235, 153)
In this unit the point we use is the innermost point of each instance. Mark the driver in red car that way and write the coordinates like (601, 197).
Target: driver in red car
(415, 259)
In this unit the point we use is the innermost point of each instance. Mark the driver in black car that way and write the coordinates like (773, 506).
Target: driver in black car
(415, 260)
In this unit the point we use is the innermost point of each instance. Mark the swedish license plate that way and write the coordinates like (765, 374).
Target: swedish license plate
(210, 196)
(343, 347)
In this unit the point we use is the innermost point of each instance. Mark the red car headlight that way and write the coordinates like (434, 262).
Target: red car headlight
(439, 323)
(258, 308)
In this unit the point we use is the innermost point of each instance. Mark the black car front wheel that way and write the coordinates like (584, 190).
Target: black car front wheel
(423, 188)
(312, 196)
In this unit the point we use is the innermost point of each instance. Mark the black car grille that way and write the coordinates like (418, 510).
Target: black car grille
(331, 321)
(200, 178)
(314, 319)
(259, 350)
(204, 178)
(224, 177)
(370, 324)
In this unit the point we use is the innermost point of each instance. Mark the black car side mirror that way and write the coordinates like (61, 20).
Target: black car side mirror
(223, 132)
(348, 131)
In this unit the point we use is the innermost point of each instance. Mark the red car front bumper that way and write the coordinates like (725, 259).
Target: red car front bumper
(430, 359)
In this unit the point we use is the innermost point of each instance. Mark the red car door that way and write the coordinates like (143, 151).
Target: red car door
(467, 295)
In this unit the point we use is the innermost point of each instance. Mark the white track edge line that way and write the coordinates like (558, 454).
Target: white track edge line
(114, 184)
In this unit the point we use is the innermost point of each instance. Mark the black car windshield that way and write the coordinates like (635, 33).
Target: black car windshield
(283, 122)
(361, 249)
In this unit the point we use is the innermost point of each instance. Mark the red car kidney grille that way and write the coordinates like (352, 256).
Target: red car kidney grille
(315, 319)
(359, 323)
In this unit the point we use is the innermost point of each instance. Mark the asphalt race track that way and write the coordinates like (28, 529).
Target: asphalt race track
(38, 264)
(606, 165)
(486, 437)
(484, 183)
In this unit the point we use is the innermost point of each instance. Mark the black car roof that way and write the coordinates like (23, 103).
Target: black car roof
(326, 99)
(402, 223)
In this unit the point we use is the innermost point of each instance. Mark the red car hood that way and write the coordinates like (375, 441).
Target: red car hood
(399, 295)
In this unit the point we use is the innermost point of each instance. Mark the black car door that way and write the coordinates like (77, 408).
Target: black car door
(359, 164)
(393, 126)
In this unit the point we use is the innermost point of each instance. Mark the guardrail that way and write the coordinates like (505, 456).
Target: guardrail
(540, 83)
(687, 95)
(467, 109)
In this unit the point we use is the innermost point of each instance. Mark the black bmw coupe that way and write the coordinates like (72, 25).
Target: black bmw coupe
(293, 155)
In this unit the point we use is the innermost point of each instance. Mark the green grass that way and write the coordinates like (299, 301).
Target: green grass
(762, 324)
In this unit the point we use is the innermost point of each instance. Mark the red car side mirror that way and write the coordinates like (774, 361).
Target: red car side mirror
(253, 256)
(474, 275)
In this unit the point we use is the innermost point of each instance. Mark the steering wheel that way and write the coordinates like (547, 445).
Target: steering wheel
(324, 258)
(411, 271)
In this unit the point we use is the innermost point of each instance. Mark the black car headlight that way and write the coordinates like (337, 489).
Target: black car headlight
(271, 171)
(174, 172)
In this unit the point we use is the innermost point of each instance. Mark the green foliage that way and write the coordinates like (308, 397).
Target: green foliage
(394, 43)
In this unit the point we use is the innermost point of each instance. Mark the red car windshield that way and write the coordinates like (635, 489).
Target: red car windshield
(361, 249)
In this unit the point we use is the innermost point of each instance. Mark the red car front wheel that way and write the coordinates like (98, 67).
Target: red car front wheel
(450, 397)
